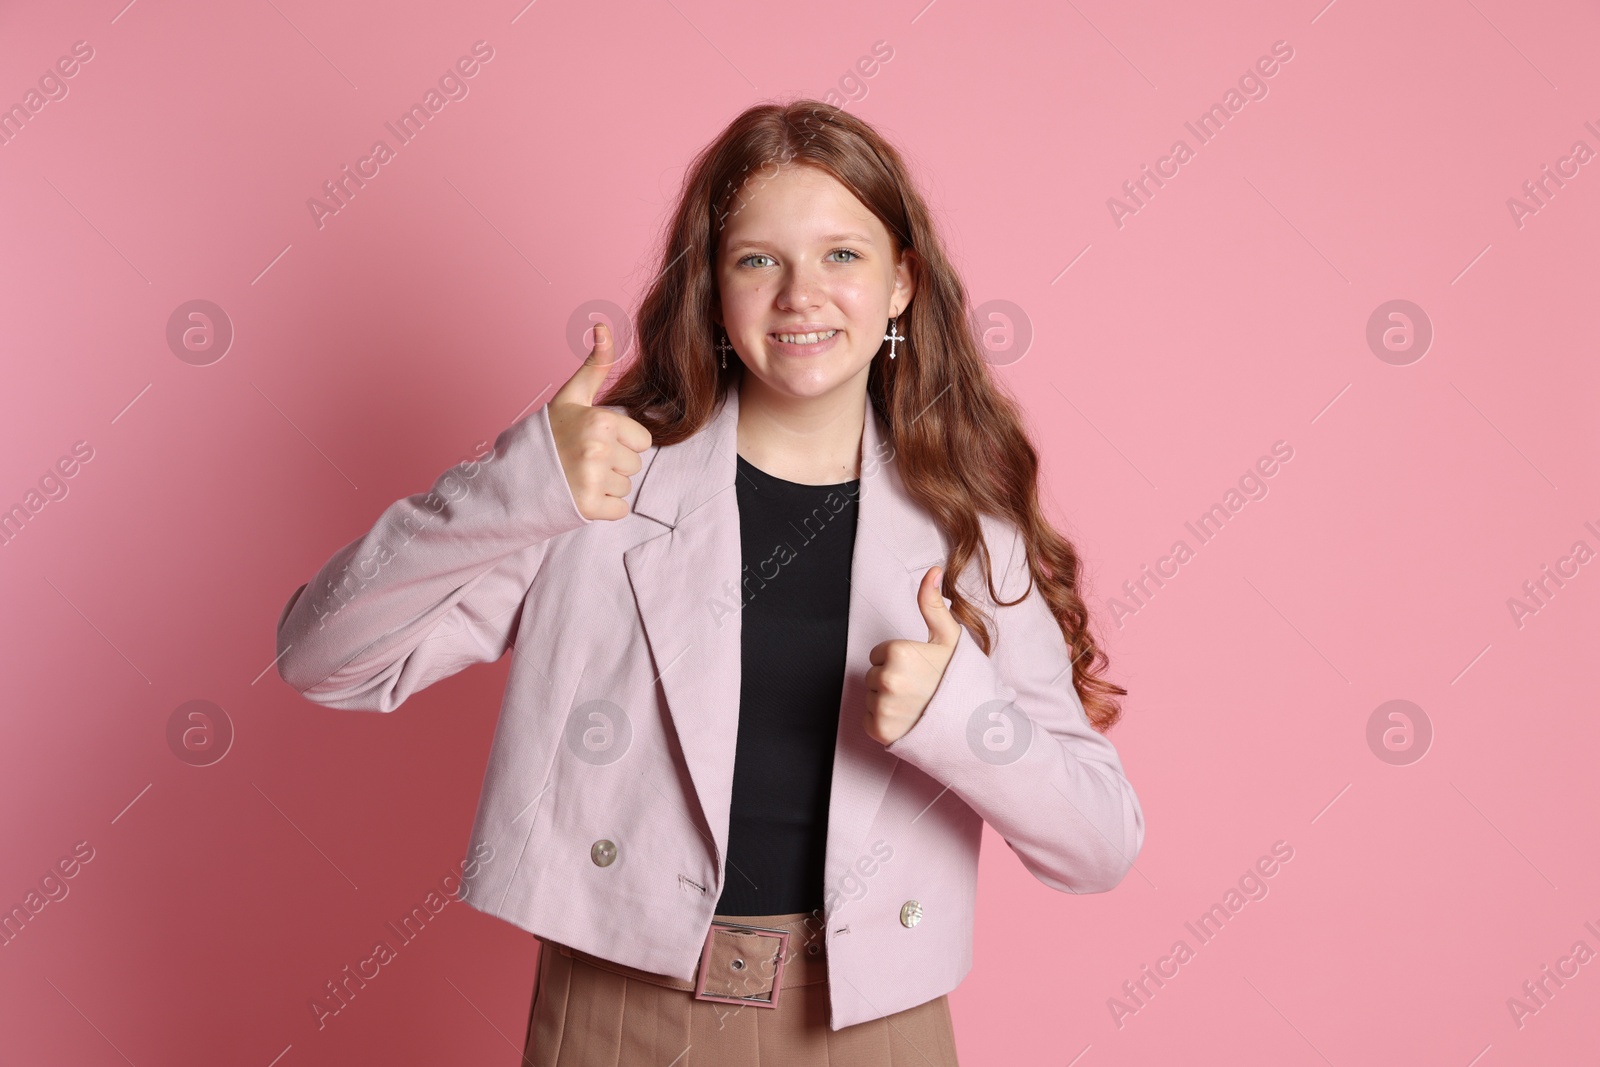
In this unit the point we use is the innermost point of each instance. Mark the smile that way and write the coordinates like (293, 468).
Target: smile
(805, 338)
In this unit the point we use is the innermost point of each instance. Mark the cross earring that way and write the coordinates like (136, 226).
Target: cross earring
(892, 336)
(724, 347)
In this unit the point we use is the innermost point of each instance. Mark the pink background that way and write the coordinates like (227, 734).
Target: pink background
(1229, 313)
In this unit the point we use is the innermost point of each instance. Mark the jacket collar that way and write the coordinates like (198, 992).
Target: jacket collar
(687, 585)
(687, 475)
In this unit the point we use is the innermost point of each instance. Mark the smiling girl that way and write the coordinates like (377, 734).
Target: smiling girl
(802, 283)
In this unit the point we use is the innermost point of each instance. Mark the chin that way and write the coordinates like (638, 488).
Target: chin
(810, 382)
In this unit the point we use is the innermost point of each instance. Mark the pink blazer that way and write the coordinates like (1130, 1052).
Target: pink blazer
(603, 819)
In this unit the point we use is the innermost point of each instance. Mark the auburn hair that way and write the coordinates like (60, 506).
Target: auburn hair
(958, 437)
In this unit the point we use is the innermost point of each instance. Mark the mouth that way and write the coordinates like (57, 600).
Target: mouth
(812, 338)
(798, 345)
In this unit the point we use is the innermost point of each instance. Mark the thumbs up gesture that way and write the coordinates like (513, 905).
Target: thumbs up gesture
(599, 449)
(905, 673)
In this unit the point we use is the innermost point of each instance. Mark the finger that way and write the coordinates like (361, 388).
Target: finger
(610, 507)
(616, 485)
(632, 433)
(625, 461)
(879, 655)
(943, 629)
(586, 381)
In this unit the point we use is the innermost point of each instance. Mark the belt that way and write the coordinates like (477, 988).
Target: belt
(739, 963)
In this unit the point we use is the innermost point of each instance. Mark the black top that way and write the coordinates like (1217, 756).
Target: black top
(797, 542)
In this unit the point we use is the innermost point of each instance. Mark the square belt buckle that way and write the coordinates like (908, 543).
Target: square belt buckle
(700, 992)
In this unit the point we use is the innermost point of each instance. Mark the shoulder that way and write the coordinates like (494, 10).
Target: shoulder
(1008, 563)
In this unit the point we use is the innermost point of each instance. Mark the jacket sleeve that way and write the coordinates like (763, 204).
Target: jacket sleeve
(436, 585)
(1007, 733)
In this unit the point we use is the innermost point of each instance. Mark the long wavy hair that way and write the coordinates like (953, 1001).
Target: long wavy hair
(958, 437)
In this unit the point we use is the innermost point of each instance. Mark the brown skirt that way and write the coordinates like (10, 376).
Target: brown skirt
(589, 1012)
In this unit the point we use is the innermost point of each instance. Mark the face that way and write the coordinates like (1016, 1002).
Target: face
(802, 256)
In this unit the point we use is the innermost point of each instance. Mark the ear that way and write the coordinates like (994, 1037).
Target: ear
(905, 281)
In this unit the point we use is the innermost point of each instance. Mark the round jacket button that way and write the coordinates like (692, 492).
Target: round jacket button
(603, 852)
(910, 913)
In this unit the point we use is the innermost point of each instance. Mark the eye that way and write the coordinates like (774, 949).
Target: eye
(754, 255)
(854, 255)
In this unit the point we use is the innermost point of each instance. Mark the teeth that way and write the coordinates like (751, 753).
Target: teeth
(805, 338)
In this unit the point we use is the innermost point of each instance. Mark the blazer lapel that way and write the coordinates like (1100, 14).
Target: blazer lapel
(896, 543)
(686, 584)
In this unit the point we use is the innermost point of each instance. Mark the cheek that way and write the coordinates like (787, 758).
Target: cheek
(741, 303)
(862, 302)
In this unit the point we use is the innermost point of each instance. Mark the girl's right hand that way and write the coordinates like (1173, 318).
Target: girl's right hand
(599, 449)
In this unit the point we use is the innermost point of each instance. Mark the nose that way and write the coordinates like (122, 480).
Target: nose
(799, 290)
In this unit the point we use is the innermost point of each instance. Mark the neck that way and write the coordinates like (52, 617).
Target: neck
(811, 440)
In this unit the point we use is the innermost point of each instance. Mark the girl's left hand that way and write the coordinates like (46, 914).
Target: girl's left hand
(905, 673)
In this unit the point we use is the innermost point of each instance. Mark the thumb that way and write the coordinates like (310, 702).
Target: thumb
(586, 381)
(943, 629)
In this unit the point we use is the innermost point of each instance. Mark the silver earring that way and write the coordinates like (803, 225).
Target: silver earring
(724, 347)
(892, 337)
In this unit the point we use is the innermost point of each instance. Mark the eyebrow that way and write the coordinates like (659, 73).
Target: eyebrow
(750, 242)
